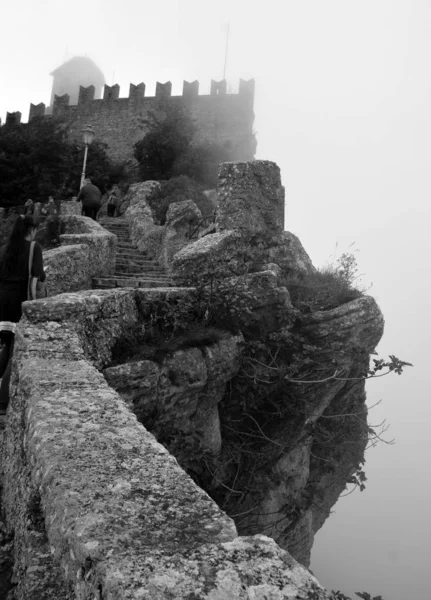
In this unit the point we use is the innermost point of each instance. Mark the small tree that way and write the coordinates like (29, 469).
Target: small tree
(100, 168)
(34, 160)
(171, 130)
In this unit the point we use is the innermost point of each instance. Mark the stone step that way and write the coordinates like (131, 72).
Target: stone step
(135, 269)
(155, 276)
(126, 246)
(130, 260)
(113, 282)
(126, 254)
(114, 222)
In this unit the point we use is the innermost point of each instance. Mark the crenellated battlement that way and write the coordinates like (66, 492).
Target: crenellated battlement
(137, 93)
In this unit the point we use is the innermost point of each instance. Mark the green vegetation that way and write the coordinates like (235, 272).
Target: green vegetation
(328, 287)
(168, 148)
(37, 160)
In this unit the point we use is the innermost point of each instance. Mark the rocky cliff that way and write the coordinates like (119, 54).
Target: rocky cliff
(250, 373)
(277, 437)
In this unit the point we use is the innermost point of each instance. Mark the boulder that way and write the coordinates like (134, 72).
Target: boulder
(200, 261)
(179, 218)
(257, 305)
(251, 197)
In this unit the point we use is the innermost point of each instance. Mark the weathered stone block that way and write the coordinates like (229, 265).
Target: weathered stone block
(251, 197)
(258, 305)
(68, 269)
(195, 263)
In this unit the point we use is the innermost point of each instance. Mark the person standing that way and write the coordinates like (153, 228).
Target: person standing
(91, 199)
(112, 204)
(14, 277)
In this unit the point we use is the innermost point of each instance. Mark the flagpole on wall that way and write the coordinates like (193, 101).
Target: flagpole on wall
(227, 46)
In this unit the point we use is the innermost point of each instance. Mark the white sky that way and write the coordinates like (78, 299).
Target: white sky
(342, 105)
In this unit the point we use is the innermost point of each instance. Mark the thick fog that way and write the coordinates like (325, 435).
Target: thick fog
(343, 96)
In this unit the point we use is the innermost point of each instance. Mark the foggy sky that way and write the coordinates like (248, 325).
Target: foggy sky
(343, 90)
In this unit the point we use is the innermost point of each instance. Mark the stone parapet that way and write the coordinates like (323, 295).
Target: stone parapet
(98, 508)
(101, 243)
(67, 269)
(70, 207)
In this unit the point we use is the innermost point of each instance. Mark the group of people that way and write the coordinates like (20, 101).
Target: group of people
(91, 199)
(14, 289)
(47, 209)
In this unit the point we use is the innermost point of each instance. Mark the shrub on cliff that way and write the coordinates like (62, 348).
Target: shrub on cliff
(177, 189)
(327, 288)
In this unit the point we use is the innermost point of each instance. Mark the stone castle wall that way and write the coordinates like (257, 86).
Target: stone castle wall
(120, 122)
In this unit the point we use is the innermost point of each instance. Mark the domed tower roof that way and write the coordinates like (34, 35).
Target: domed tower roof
(79, 70)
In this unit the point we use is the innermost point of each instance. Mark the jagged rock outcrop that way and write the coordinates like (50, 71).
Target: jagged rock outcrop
(181, 394)
(299, 449)
(311, 450)
(249, 228)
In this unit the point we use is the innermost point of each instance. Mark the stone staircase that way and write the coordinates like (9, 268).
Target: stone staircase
(133, 268)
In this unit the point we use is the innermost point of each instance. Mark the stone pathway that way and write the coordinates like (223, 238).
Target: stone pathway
(133, 268)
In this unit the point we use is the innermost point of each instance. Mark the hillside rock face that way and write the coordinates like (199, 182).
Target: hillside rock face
(288, 447)
(135, 480)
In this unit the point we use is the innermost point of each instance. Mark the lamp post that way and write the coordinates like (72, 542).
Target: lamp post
(88, 135)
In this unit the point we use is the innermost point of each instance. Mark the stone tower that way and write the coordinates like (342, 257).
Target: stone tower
(76, 72)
